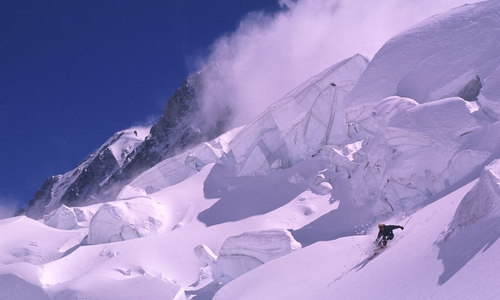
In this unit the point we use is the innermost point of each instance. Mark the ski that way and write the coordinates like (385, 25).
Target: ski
(377, 252)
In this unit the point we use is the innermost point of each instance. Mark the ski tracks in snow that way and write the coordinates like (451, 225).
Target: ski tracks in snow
(371, 256)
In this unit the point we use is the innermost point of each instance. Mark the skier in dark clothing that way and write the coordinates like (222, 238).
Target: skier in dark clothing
(385, 234)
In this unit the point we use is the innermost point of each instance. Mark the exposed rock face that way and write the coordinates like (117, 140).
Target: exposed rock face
(471, 90)
(181, 126)
(78, 186)
(42, 198)
(86, 185)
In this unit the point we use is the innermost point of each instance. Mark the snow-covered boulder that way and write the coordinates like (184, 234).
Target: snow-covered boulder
(242, 253)
(125, 220)
(61, 218)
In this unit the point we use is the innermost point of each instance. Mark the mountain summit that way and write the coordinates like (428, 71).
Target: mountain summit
(100, 177)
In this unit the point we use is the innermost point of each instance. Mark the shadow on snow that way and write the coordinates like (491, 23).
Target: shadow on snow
(458, 248)
(243, 197)
(347, 220)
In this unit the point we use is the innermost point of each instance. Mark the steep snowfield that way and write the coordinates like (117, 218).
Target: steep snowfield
(285, 207)
(417, 265)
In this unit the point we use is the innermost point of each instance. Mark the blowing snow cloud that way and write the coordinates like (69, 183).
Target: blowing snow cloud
(270, 54)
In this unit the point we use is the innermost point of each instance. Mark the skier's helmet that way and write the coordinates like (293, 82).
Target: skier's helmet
(381, 226)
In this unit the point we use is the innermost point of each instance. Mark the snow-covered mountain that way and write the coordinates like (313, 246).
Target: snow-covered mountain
(80, 185)
(101, 176)
(285, 207)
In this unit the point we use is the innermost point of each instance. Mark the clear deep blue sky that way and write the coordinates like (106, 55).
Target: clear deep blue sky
(75, 72)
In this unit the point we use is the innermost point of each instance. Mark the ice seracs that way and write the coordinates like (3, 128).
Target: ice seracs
(240, 254)
(412, 151)
(300, 124)
(489, 96)
(125, 220)
(177, 168)
(293, 129)
(416, 109)
(483, 200)
(61, 218)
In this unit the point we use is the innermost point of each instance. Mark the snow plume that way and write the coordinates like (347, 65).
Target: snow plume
(270, 54)
(7, 207)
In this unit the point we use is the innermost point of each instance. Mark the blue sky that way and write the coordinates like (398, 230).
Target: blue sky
(75, 72)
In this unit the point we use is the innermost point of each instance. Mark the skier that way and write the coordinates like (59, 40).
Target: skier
(385, 232)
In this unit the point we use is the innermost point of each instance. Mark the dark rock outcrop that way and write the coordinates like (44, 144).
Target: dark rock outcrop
(182, 125)
(471, 90)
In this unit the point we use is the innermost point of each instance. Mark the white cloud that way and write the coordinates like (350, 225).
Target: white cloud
(269, 55)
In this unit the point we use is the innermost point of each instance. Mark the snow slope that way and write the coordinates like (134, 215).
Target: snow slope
(166, 264)
(419, 264)
(285, 207)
